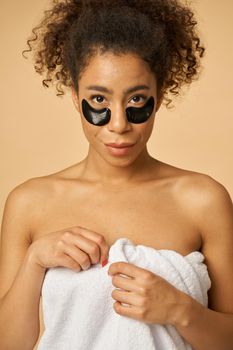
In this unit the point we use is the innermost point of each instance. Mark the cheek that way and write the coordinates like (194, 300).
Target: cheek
(90, 131)
(145, 131)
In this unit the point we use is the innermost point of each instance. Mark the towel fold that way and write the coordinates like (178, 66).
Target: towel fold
(78, 307)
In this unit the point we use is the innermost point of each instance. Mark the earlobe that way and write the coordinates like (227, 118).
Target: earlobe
(75, 99)
(159, 102)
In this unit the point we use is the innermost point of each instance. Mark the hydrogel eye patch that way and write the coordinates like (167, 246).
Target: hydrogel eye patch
(102, 116)
(94, 116)
(139, 115)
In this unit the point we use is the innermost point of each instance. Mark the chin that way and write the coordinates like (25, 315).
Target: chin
(120, 162)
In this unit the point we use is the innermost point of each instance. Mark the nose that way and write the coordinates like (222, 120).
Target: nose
(118, 122)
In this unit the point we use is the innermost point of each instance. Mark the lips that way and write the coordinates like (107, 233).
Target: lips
(119, 150)
(119, 145)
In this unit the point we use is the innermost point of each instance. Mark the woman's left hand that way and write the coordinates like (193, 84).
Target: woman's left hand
(150, 298)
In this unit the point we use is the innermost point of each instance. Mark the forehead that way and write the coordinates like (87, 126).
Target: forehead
(113, 70)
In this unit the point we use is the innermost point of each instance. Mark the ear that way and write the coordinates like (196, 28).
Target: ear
(159, 102)
(75, 99)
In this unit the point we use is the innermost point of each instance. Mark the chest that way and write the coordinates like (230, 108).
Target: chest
(154, 218)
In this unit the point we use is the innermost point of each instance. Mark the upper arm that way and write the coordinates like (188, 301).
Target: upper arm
(215, 217)
(15, 234)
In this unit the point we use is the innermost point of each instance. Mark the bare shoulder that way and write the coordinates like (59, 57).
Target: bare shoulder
(15, 232)
(29, 195)
(20, 205)
(37, 188)
(19, 217)
(194, 188)
(24, 202)
(208, 201)
(210, 205)
(19, 199)
(202, 189)
(205, 196)
(26, 194)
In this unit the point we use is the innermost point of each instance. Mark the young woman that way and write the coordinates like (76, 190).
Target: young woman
(121, 59)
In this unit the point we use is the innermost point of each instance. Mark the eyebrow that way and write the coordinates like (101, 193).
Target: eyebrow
(130, 90)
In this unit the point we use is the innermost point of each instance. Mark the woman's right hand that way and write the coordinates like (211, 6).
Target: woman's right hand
(75, 248)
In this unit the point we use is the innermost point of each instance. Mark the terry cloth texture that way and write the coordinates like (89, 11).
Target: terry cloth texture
(78, 306)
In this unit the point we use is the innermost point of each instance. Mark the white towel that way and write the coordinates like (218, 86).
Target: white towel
(78, 306)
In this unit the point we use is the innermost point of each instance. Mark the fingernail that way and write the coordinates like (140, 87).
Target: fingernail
(104, 262)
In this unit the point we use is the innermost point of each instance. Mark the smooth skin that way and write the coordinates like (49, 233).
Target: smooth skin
(71, 218)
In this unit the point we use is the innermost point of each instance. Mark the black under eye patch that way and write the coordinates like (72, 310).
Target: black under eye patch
(136, 115)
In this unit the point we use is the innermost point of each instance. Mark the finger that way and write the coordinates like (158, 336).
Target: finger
(77, 255)
(68, 262)
(125, 297)
(127, 310)
(82, 244)
(95, 237)
(125, 283)
(127, 269)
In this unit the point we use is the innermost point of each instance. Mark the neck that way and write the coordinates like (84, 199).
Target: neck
(98, 170)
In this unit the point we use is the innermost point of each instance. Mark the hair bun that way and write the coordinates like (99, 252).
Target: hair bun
(162, 32)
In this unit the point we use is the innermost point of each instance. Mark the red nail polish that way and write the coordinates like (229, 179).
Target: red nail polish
(104, 262)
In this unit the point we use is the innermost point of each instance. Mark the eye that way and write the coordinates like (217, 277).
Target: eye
(138, 98)
(99, 98)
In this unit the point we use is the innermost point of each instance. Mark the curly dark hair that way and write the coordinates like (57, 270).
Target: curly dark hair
(161, 32)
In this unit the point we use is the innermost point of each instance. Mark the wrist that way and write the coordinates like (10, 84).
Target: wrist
(30, 261)
(187, 311)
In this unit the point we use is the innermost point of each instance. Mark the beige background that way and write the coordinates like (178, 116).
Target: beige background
(41, 133)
